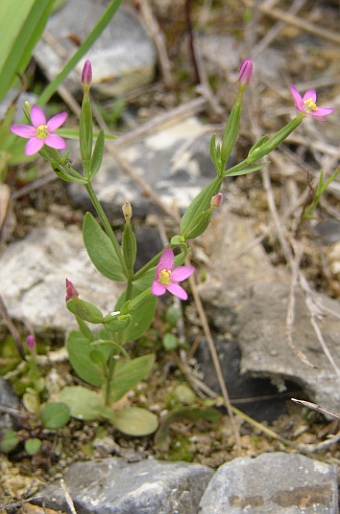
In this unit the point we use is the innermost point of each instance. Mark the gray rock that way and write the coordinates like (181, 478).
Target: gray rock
(7, 399)
(275, 483)
(112, 486)
(256, 397)
(123, 58)
(246, 296)
(33, 273)
(151, 158)
(270, 64)
(230, 273)
(265, 351)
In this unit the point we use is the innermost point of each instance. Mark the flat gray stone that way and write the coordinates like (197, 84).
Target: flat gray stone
(123, 58)
(151, 159)
(112, 486)
(275, 483)
(265, 350)
(7, 399)
(247, 297)
(33, 273)
(231, 272)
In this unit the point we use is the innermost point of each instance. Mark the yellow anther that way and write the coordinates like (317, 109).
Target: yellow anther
(164, 277)
(42, 132)
(310, 104)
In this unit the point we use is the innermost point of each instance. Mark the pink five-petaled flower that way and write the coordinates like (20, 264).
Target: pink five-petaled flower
(307, 105)
(167, 277)
(40, 133)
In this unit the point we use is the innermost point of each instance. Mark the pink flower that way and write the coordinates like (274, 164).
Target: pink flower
(41, 133)
(307, 105)
(71, 291)
(167, 277)
(246, 72)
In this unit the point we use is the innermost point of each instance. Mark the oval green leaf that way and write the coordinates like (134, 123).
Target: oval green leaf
(136, 421)
(55, 415)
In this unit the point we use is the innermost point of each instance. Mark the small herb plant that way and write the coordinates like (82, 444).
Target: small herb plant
(98, 355)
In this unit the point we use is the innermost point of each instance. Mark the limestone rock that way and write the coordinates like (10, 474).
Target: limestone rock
(33, 273)
(277, 483)
(112, 486)
(174, 182)
(123, 58)
(265, 351)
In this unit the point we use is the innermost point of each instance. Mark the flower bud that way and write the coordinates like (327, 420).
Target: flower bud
(127, 211)
(86, 76)
(246, 73)
(30, 342)
(71, 291)
(216, 201)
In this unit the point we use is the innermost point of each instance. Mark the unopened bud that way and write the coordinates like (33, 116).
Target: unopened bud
(30, 342)
(71, 291)
(86, 76)
(216, 201)
(246, 73)
(127, 211)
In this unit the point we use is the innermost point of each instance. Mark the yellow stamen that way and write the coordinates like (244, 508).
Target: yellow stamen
(310, 104)
(42, 132)
(164, 277)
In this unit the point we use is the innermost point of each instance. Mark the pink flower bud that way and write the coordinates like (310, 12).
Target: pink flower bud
(71, 291)
(30, 342)
(216, 201)
(86, 76)
(246, 73)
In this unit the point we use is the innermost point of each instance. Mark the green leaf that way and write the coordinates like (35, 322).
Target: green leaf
(129, 373)
(170, 341)
(79, 349)
(247, 169)
(55, 415)
(97, 155)
(85, 310)
(19, 22)
(32, 446)
(213, 155)
(199, 205)
(31, 401)
(101, 250)
(8, 440)
(141, 318)
(83, 403)
(135, 421)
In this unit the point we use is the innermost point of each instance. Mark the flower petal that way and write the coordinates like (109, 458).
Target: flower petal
(157, 288)
(26, 131)
(56, 121)
(181, 273)
(34, 145)
(310, 95)
(37, 116)
(296, 94)
(55, 141)
(323, 111)
(177, 290)
(167, 259)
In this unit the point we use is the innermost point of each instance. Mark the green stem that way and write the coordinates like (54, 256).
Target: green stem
(106, 225)
(109, 375)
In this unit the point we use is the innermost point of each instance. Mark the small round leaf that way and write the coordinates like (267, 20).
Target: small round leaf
(55, 415)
